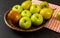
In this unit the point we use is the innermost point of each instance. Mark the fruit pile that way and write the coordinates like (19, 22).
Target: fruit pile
(27, 14)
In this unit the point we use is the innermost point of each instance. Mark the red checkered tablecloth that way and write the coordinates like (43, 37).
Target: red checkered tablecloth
(53, 23)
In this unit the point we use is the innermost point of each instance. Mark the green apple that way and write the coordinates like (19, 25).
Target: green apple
(58, 15)
(37, 19)
(17, 8)
(26, 4)
(25, 22)
(34, 8)
(44, 4)
(46, 13)
(26, 13)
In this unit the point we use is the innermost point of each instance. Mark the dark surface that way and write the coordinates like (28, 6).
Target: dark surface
(6, 32)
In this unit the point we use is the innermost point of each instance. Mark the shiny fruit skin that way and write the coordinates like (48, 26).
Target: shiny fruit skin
(17, 8)
(26, 13)
(26, 4)
(37, 19)
(44, 4)
(14, 16)
(46, 13)
(25, 22)
(34, 8)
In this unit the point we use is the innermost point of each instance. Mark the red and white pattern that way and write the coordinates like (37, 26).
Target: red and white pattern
(53, 23)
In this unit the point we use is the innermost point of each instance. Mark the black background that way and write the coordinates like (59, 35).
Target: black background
(6, 32)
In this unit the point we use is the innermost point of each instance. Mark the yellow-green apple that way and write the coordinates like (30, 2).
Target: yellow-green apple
(17, 8)
(26, 4)
(37, 19)
(44, 4)
(34, 8)
(25, 22)
(26, 13)
(14, 16)
(46, 13)
(58, 15)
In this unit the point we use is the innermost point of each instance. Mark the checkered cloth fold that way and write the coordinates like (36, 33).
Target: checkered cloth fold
(53, 23)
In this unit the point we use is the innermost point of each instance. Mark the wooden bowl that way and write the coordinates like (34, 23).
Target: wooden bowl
(15, 27)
